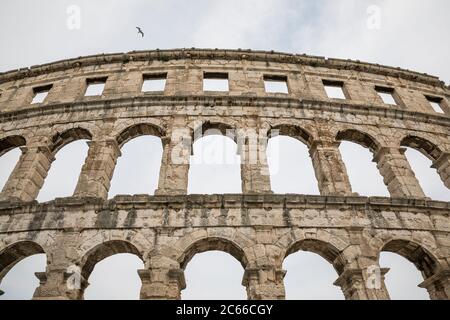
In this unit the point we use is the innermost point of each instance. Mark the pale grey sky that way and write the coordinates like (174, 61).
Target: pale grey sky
(412, 35)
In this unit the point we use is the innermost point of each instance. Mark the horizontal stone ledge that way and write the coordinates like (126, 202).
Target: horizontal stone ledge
(219, 54)
(223, 101)
(266, 201)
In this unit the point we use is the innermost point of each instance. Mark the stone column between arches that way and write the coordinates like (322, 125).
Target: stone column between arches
(264, 283)
(98, 169)
(255, 175)
(58, 283)
(28, 176)
(360, 275)
(397, 173)
(442, 165)
(177, 149)
(62, 279)
(162, 279)
(263, 276)
(357, 283)
(329, 168)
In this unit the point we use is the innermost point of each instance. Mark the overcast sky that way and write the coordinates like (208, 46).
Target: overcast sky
(409, 34)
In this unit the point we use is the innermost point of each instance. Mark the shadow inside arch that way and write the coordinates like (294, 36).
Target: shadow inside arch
(424, 261)
(10, 143)
(292, 131)
(16, 252)
(427, 148)
(62, 139)
(213, 244)
(358, 137)
(324, 249)
(137, 130)
(211, 128)
(103, 251)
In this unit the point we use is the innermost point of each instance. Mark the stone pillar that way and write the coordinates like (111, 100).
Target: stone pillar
(161, 283)
(29, 174)
(442, 165)
(173, 175)
(98, 169)
(255, 175)
(264, 283)
(438, 285)
(397, 173)
(330, 170)
(62, 279)
(60, 284)
(361, 284)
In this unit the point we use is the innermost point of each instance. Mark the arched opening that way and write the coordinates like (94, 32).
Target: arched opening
(214, 269)
(409, 265)
(111, 270)
(115, 278)
(215, 166)
(137, 169)
(402, 279)
(311, 275)
(213, 275)
(421, 154)
(70, 150)
(18, 264)
(290, 166)
(9, 156)
(357, 151)
(428, 149)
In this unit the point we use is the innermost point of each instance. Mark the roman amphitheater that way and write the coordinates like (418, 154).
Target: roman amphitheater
(258, 227)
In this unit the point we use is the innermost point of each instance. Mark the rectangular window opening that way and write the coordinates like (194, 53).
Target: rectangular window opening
(40, 93)
(213, 81)
(154, 82)
(334, 89)
(436, 104)
(95, 87)
(387, 95)
(275, 84)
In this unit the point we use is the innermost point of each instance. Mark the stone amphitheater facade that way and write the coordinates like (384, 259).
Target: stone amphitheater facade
(257, 227)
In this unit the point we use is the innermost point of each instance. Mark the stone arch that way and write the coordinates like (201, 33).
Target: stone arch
(364, 139)
(292, 131)
(210, 244)
(137, 130)
(424, 146)
(226, 142)
(11, 142)
(434, 149)
(291, 142)
(324, 249)
(16, 252)
(59, 140)
(323, 243)
(376, 164)
(424, 260)
(104, 250)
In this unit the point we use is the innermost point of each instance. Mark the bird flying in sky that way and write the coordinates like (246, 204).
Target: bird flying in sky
(140, 31)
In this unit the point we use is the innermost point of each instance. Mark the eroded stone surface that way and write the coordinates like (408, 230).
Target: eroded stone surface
(258, 228)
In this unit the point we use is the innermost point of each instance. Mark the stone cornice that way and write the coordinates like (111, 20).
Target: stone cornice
(226, 101)
(129, 202)
(222, 54)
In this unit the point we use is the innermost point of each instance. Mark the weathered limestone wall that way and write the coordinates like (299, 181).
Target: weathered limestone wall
(259, 231)
(245, 73)
(258, 228)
